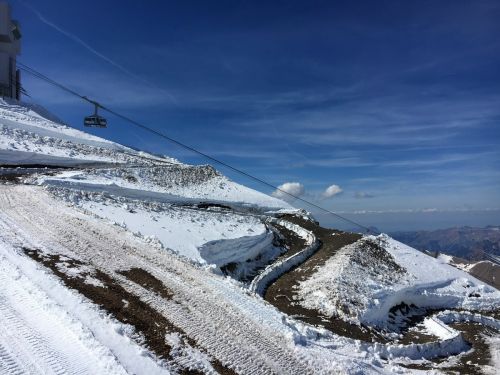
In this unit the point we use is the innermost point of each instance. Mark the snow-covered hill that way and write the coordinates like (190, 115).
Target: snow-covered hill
(384, 277)
(126, 262)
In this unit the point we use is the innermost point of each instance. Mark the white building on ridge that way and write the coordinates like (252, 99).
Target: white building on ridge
(10, 47)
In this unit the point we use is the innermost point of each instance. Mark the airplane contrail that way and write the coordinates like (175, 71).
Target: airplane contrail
(90, 48)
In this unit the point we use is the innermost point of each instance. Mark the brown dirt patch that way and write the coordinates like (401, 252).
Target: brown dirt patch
(10, 178)
(148, 281)
(290, 241)
(126, 307)
(331, 241)
(488, 273)
(474, 334)
(470, 363)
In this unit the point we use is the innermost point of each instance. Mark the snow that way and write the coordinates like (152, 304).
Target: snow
(25, 134)
(445, 258)
(198, 235)
(439, 329)
(435, 283)
(46, 328)
(494, 344)
(227, 321)
(408, 276)
(19, 116)
(174, 183)
(28, 138)
(118, 208)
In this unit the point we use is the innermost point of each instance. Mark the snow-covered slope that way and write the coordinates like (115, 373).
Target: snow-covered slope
(126, 262)
(221, 318)
(383, 273)
(26, 137)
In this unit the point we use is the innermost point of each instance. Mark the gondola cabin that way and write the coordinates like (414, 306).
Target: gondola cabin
(95, 121)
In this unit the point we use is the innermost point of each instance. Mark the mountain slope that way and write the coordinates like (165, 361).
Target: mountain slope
(125, 262)
(463, 242)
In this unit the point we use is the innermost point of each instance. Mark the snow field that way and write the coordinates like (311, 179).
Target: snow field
(27, 137)
(24, 117)
(48, 328)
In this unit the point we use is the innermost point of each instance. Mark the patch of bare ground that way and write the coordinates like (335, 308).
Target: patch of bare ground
(151, 327)
(10, 178)
(474, 334)
(12, 174)
(488, 273)
(289, 240)
(408, 320)
(208, 205)
(281, 293)
(148, 281)
(471, 362)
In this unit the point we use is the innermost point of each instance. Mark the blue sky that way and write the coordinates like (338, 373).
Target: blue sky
(395, 102)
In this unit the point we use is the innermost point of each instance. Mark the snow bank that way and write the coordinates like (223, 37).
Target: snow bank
(432, 283)
(203, 236)
(462, 316)
(273, 271)
(174, 182)
(237, 250)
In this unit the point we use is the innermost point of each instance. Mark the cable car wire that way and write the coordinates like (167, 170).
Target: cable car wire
(189, 148)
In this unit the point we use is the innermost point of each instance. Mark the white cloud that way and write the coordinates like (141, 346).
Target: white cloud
(331, 191)
(293, 188)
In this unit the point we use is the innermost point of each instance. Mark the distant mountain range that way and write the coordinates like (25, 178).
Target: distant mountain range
(464, 242)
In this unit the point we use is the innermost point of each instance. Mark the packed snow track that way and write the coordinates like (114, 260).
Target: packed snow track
(212, 311)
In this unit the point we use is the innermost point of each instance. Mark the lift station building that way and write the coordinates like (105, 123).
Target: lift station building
(10, 47)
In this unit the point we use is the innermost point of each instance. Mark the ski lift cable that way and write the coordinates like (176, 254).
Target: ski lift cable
(189, 148)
